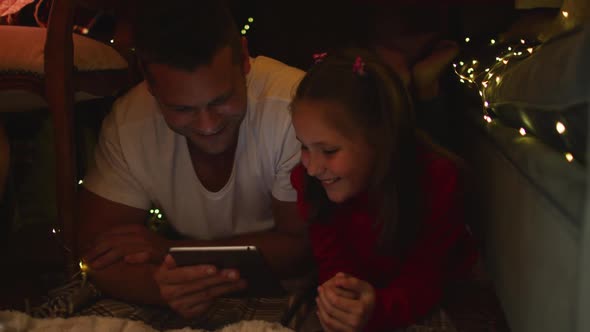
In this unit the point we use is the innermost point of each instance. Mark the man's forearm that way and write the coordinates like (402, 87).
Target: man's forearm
(129, 282)
(287, 254)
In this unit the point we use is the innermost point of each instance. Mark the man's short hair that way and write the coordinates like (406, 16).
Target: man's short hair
(183, 34)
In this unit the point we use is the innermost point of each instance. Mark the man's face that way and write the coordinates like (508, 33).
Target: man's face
(206, 105)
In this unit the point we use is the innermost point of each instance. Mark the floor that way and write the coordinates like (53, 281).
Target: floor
(32, 261)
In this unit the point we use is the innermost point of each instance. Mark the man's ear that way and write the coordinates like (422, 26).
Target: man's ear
(245, 56)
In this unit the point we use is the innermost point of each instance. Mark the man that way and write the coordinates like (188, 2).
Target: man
(207, 138)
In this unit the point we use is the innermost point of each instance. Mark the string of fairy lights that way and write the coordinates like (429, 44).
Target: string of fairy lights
(487, 78)
(85, 30)
(155, 221)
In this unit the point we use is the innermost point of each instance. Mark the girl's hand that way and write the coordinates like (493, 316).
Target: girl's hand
(345, 303)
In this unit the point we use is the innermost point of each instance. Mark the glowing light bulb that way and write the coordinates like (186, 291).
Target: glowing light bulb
(474, 62)
(243, 31)
(112, 41)
(569, 157)
(461, 63)
(83, 267)
(509, 48)
(250, 19)
(85, 31)
(505, 62)
(157, 211)
(497, 79)
(53, 231)
(247, 27)
(467, 39)
(522, 131)
(493, 41)
(530, 50)
(522, 41)
(485, 84)
(565, 14)
(470, 70)
(81, 181)
(560, 127)
(152, 211)
(487, 118)
(487, 70)
(455, 65)
(159, 216)
(486, 104)
(462, 81)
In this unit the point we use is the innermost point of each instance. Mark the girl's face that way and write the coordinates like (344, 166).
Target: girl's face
(333, 149)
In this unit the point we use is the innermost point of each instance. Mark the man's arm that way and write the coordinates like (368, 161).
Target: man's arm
(97, 215)
(285, 247)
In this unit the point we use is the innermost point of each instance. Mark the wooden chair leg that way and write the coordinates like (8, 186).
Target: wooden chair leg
(4, 160)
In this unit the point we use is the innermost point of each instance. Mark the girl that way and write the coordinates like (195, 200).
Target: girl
(383, 205)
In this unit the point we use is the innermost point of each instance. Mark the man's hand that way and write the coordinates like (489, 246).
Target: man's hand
(133, 243)
(345, 303)
(190, 290)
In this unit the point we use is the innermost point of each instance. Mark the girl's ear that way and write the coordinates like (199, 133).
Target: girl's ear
(245, 56)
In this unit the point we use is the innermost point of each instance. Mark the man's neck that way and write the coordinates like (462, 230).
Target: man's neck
(213, 170)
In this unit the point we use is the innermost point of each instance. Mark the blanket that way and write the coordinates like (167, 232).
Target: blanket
(15, 321)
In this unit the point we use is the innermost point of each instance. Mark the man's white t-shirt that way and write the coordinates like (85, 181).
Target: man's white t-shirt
(140, 162)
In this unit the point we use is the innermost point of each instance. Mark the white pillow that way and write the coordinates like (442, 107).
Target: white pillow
(22, 51)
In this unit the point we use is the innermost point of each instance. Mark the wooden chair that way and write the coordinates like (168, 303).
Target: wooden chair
(55, 68)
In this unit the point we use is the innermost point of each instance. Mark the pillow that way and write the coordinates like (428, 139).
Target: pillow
(98, 66)
(22, 51)
(536, 105)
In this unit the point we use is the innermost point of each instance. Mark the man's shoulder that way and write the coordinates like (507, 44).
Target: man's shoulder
(134, 110)
(270, 78)
(135, 103)
(134, 120)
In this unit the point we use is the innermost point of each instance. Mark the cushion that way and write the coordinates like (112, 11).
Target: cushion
(22, 50)
(545, 97)
(8, 7)
(100, 69)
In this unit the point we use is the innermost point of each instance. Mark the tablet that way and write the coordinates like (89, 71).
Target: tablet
(246, 259)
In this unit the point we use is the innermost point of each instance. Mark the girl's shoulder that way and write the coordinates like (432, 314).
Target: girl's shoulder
(298, 178)
(298, 183)
(441, 172)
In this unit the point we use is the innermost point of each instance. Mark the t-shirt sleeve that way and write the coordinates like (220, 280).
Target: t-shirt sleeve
(289, 156)
(110, 176)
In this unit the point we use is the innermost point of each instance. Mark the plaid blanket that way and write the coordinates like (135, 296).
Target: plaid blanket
(84, 299)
